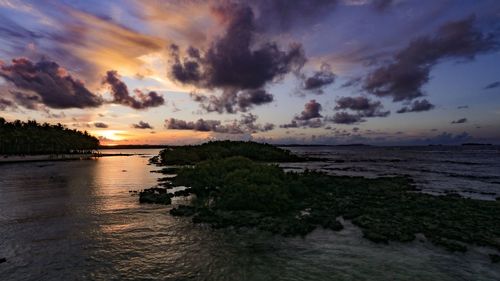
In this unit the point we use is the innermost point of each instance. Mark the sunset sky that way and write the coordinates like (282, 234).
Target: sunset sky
(386, 72)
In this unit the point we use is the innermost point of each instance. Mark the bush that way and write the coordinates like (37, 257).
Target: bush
(192, 154)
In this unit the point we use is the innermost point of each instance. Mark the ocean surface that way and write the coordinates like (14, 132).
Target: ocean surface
(77, 220)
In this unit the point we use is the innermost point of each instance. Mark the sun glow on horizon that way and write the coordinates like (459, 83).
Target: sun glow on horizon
(110, 135)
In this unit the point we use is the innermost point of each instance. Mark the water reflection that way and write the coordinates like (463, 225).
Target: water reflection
(76, 220)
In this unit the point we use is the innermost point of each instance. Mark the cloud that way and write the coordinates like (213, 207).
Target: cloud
(45, 82)
(5, 103)
(245, 125)
(311, 110)
(459, 121)
(234, 63)
(418, 106)
(142, 125)
(249, 98)
(121, 95)
(345, 118)
(233, 101)
(493, 85)
(360, 107)
(363, 106)
(100, 125)
(247, 122)
(319, 79)
(309, 117)
(86, 43)
(463, 107)
(403, 78)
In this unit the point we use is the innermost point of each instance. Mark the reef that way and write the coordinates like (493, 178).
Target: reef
(192, 154)
(240, 192)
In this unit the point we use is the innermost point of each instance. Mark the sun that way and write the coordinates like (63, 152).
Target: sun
(112, 135)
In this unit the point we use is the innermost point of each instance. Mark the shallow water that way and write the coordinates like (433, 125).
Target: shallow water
(472, 171)
(76, 220)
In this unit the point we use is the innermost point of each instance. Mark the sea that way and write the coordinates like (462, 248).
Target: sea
(81, 220)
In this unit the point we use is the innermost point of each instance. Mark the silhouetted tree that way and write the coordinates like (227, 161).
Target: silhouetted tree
(32, 137)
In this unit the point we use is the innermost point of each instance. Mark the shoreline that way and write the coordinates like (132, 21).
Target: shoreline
(7, 159)
(43, 157)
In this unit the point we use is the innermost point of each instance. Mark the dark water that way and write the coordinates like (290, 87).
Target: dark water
(76, 220)
(472, 171)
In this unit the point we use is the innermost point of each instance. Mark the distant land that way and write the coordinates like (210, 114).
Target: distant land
(160, 146)
(133, 146)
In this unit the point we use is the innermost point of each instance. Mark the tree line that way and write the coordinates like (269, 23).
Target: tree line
(33, 138)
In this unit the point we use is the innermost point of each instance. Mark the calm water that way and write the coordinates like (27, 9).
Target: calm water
(76, 220)
(472, 171)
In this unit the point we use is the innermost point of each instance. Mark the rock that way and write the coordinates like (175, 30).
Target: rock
(183, 211)
(333, 224)
(375, 237)
(184, 192)
(495, 258)
(155, 195)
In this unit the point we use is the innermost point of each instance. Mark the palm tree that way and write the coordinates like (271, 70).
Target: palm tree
(32, 137)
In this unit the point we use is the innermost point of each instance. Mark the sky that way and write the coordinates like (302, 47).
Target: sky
(381, 72)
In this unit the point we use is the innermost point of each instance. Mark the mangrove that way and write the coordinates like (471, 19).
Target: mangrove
(240, 192)
(192, 154)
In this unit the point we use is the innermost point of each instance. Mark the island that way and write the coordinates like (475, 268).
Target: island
(32, 141)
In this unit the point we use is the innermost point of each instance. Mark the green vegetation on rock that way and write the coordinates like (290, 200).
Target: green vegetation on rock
(239, 192)
(192, 154)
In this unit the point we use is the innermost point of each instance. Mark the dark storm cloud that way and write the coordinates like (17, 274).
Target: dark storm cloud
(492, 85)
(357, 108)
(100, 125)
(232, 101)
(5, 103)
(403, 78)
(142, 125)
(247, 122)
(459, 121)
(27, 100)
(293, 124)
(311, 110)
(311, 123)
(309, 117)
(363, 106)
(245, 125)
(418, 106)
(249, 98)
(47, 83)
(200, 125)
(235, 64)
(319, 79)
(345, 118)
(121, 95)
